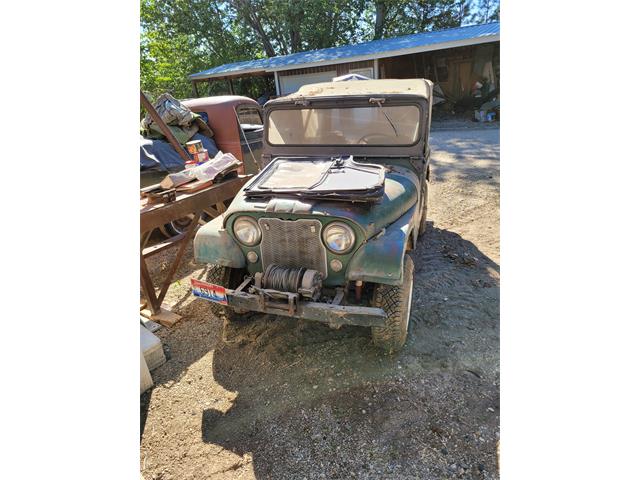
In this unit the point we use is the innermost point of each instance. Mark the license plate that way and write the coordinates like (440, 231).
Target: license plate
(209, 291)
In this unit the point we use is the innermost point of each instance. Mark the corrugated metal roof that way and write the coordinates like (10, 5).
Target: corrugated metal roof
(246, 66)
(362, 51)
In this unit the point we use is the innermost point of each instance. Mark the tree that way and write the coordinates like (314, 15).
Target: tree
(487, 11)
(288, 26)
(180, 37)
(402, 17)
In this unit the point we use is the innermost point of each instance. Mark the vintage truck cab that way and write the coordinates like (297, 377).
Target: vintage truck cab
(236, 123)
(322, 232)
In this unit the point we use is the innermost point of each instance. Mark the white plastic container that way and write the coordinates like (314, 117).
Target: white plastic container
(146, 382)
(151, 348)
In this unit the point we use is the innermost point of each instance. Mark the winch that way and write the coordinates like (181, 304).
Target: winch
(304, 281)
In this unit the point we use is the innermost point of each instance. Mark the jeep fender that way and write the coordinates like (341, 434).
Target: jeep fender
(381, 258)
(213, 244)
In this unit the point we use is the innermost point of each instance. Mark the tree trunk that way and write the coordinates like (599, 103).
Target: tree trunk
(381, 16)
(296, 16)
(462, 12)
(245, 9)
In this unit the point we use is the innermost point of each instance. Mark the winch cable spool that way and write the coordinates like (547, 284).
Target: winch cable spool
(282, 278)
(304, 281)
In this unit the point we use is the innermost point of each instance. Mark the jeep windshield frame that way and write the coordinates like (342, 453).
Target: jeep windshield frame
(414, 149)
(374, 124)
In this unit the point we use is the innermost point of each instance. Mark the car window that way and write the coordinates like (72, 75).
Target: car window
(249, 116)
(371, 125)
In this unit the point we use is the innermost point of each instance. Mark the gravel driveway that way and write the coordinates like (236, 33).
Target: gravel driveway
(280, 398)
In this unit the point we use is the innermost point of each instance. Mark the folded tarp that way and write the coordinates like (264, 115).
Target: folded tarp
(182, 122)
(160, 154)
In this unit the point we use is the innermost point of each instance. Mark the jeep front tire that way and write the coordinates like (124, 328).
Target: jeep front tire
(395, 300)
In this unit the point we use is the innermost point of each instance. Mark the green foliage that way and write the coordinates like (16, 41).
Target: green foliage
(486, 11)
(288, 26)
(402, 17)
(181, 37)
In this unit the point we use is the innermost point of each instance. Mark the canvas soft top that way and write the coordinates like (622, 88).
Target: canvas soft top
(415, 86)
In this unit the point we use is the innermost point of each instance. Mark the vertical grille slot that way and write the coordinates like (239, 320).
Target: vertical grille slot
(293, 244)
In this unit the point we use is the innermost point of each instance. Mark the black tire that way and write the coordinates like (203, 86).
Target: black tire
(395, 300)
(177, 226)
(229, 278)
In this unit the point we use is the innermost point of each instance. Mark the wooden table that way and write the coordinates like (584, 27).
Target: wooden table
(209, 200)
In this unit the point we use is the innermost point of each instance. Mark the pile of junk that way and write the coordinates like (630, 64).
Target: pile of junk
(166, 168)
(157, 154)
(482, 102)
(486, 102)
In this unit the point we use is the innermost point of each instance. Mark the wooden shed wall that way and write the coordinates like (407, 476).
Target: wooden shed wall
(455, 69)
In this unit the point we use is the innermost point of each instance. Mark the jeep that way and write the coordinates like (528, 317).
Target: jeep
(323, 230)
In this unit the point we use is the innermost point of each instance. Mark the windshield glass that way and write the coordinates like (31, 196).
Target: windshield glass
(371, 125)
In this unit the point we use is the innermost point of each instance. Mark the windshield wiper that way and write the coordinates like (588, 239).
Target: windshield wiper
(379, 102)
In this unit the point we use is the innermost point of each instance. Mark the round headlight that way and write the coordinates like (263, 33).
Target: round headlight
(247, 231)
(338, 237)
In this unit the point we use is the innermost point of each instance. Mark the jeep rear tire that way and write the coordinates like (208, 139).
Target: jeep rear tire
(230, 278)
(395, 300)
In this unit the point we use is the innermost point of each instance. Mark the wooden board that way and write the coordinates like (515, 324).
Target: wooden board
(161, 246)
(165, 317)
(194, 186)
(153, 216)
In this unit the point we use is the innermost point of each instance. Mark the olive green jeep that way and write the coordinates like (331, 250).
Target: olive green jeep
(322, 232)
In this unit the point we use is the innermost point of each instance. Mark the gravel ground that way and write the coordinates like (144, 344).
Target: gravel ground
(280, 398)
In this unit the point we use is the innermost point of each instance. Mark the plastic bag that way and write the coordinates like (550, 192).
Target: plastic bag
(221, 163)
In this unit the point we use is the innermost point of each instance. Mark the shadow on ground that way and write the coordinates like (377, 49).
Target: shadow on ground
(466, 155)
(282, 398)
(314, 400)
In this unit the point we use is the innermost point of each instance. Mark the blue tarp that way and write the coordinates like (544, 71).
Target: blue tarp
(161, 155)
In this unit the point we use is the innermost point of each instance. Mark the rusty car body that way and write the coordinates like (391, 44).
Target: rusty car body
(236, 123)
(322, 233)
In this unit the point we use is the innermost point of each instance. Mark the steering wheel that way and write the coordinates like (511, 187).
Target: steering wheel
(364, 139)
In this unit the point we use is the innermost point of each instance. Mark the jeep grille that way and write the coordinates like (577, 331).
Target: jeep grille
(293, 244)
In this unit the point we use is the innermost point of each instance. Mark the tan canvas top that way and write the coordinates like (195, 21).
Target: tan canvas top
(413, 86)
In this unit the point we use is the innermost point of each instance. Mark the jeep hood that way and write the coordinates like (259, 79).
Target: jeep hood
(400, 194)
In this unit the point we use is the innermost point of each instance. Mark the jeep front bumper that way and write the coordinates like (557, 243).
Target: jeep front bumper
(291, 305)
